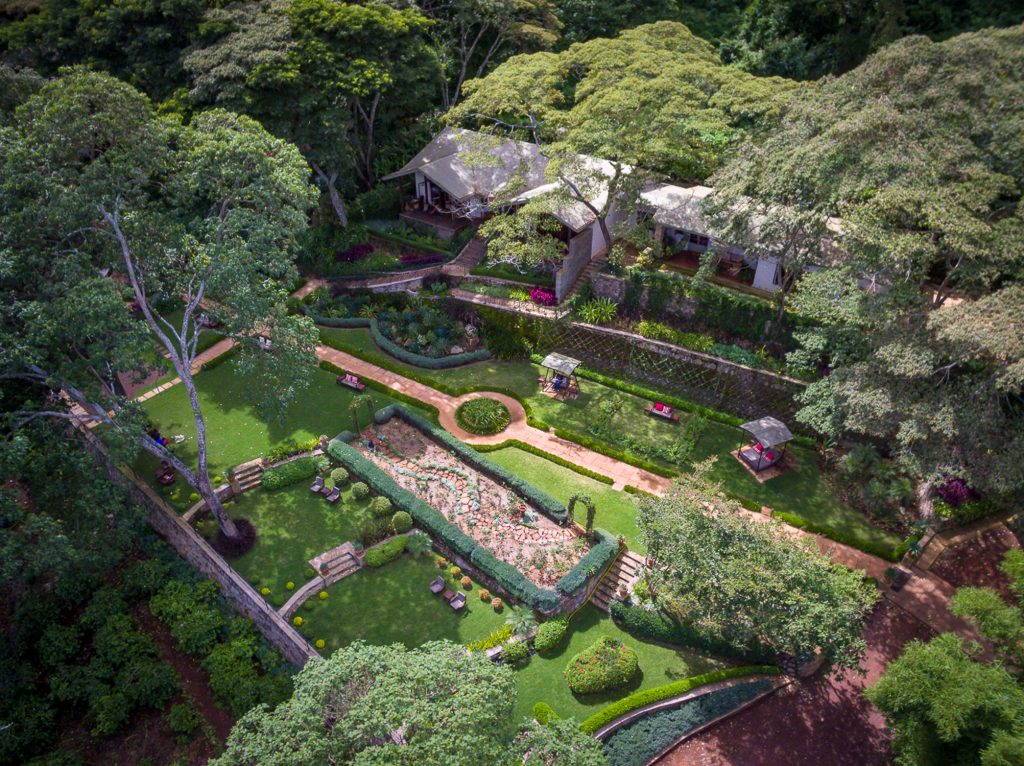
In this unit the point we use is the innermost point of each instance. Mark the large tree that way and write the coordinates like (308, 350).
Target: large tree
(904, 174)
(332, 78)
(748, 581)
(190, 217)
(374, 705)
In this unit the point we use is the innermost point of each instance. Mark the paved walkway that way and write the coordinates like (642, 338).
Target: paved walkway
(218, 348)
(926, 596)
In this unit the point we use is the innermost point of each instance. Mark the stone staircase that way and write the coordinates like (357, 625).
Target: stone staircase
(624, 573)
(470, 257)
(596, 264)
(247, 475)
(336, 564)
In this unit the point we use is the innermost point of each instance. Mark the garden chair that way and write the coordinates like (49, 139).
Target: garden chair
(458, 602)
(333, 496)
(437, 585)
(317, 485)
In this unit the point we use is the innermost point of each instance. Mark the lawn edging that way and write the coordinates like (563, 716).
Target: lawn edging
(612, 717)
(556, 459)
(511, 579)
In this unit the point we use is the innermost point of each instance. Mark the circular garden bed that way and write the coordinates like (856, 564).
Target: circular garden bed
(483, 416)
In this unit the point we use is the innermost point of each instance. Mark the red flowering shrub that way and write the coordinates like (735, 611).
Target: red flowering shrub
(955, 491)
(354, 253)
(543, 296)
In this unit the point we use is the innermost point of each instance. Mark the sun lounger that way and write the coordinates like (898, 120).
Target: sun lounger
(437, 585)
(333, 495)
(458, 602)
(317, 485)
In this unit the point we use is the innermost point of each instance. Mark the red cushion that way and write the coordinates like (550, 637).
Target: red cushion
(658, 406)
(770, 455)
(758, 447)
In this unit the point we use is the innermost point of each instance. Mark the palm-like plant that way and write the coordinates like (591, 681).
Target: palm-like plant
(521, 621)
(418, 544)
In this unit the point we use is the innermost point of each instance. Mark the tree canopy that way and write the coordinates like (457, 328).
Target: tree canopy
(749, 582)
(437, 704)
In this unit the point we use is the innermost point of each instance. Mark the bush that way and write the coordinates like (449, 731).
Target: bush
(550, 634)
(183, 719)
(289, 473)
(599, 311)
(340, 477)
(497, 604)
(465, 582)
(655, 624)
(485, 595)
(607, 714)
(386, 552)
(543, 297)
(190, 613)
(360, 491)
(606, 664)
(59, 644)
(144, 579)
(966, 511)
(596, 559)
(401, 522)
(499, 636)
(515, 652)
(455, 571)
(543, 713)
(373, 529)
(482, 416)
(380, 506)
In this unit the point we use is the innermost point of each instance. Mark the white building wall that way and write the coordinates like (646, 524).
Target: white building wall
(766, 276)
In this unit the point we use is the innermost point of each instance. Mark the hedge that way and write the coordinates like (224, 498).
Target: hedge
(435, 414)
(388, 346)
(220, 358)
(289, 473)
(550, 634)
(506, 575)
(630, 489)
(557, 460)
(644, 392)
(889, 553)
(626, 457)
(386, 552)
(656, 625)
(595, 560)
(607, 714)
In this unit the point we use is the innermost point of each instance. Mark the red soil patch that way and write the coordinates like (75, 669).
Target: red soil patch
(976, 563)
(815, 722)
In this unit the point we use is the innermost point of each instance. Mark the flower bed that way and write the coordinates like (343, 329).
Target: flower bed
(482, 416)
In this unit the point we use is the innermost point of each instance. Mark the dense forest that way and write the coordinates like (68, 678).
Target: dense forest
(231, 149)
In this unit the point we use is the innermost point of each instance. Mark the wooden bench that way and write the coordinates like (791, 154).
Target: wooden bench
(351, 381)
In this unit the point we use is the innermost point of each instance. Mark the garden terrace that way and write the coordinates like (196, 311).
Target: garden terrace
(491, 514)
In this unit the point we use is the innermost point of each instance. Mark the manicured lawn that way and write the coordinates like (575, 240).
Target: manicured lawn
(541, 679)
(616, 511)
(293, 525)
(236, 432)
(393, 604)
(801, 491)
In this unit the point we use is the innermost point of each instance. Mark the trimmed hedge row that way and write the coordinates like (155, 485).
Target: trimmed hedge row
(510, 578)
(547, 456)
(683, 404)
(289, 473)
(378, 386)
(220, 359)
(388, 346)
(657, 625)
(598, 446)
(607, 714)
(596, 559)
(881, 550)
(386, 552)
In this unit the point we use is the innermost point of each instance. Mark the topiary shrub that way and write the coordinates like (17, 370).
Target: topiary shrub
(515, 652)
(550, 634)
(465, 582)
(385, 552)
(401, 522)
(543, 713)
(497, 604)
(360, 491)
(339, 476)
(485, 595)
(380, 507)
(289, 473)
(320, 643)
(482, 416)
(455, 571)
(605, 664)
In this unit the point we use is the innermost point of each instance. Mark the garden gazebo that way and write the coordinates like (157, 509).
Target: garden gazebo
(767, 435)
(560, 378)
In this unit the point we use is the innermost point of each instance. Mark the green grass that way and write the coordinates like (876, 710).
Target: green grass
(801, 491)
(236, 432)
(616, 511)
(293, 525)
(394, 604)
(541, 679)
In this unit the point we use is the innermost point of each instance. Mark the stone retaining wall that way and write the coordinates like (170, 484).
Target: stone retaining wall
(191, 546)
